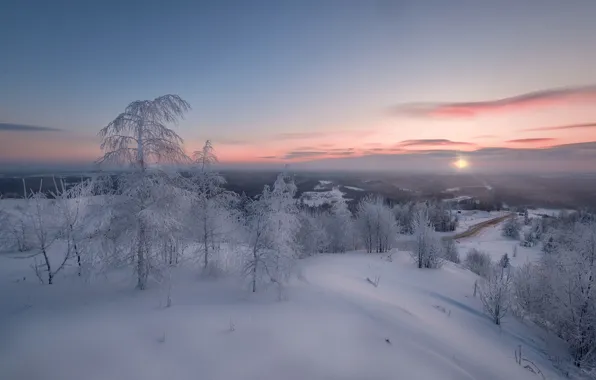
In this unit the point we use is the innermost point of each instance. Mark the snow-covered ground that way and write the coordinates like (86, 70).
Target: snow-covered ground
(491, 241)
(457, 199)
(333, 324)
(320, 198)
(539, 212)
(468, 218)
(323, 185)
(353, 188)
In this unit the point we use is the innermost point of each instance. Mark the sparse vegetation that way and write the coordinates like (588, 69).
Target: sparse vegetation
(478, 262)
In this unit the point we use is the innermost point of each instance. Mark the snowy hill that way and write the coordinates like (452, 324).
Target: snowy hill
(333, 324)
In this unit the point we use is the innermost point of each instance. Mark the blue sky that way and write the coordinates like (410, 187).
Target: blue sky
(254, 70)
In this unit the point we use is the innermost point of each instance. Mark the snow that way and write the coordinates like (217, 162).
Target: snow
(468, 218)
(332, 325)
(458, 199)
(320, 198)
(489, 240)
(353, 188)
(451, 190)
(323, 185)
(539, 212)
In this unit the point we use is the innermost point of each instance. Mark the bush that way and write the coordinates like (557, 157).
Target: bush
(495, 290)
(478, 262)
(450, 251)
(511, 228)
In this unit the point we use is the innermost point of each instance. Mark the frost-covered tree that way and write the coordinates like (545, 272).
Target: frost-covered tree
(205, 157)
(18, 230)
(144, 213)
(495, 292)
(272, 228)
(40, 217)
(213, 220)
(526, 291)
(140, 137)
(559, 292)
(311, 235)
(404, 214)
(428, 248)
(478, 262)
(376, 224)
(71, 207)
(441, 217)
(450, 251)
(5, 236)
(574, 296)
(339, 226)
(511, 228)
(527, 219)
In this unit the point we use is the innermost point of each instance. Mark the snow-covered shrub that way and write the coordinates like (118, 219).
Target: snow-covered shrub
(6, 239)
(511, 228)
(526, 291)
(478, 262)
(428, 250)
(450, 251)
(529, 239)
(495, 292)
(18, 233)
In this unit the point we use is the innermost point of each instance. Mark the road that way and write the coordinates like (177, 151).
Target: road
(476, 228)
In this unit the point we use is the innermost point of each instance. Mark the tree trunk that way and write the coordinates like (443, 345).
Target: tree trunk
(76, 249)
(48, 266)
(254, 271)
(205, 242)
(141, 261)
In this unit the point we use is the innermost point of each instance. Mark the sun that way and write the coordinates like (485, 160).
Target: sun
(461, 163)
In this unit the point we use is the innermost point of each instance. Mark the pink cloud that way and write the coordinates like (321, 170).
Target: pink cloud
(537, 99)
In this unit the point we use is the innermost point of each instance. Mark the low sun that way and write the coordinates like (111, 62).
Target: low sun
(461, 163)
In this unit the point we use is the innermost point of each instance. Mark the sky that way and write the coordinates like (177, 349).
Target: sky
(338, 84)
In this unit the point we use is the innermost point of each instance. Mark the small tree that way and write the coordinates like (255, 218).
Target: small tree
(45, 233)
(18, 229)
(311, 235)
(511, 228)
(339, 226)
(495, 292)
(376, 224)
(213, 221)
(428, 247)
(272, 228)
(478, 262)
(71, 205)
(450, 251)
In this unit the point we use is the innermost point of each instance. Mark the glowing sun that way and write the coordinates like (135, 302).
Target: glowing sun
(461, 163)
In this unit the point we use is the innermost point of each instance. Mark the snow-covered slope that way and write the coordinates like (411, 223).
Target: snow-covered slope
(417, 324)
